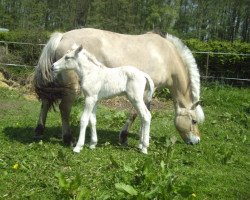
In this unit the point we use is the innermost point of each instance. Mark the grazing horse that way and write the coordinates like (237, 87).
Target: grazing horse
(166, 59)
(99, 82)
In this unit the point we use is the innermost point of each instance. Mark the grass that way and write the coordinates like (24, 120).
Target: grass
(217, 168)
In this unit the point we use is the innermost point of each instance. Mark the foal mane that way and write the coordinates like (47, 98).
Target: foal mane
(190, 63)
(92, 58)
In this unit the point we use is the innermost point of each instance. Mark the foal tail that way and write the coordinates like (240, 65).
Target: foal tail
(43, 75)
(150, 88)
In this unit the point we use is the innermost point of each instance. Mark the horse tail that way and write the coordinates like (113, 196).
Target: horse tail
(194, 75)
(43, 76)
(150, 88)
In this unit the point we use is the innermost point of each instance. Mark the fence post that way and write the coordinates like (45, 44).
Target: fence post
(207, 64)
(6, 48)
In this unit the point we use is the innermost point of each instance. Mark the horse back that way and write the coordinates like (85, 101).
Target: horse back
(148, 52)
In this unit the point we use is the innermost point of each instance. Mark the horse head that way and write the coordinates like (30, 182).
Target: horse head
(186, 122)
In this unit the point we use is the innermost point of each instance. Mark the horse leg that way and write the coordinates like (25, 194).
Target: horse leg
(92, 121)
(123, 136)
(145, 117)
(85, 118)
(65, 109)
(46, 104)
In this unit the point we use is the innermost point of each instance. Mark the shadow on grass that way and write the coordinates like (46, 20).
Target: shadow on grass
(52, 135)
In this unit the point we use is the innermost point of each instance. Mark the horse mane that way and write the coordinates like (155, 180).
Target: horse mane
(194, 75)
(190, 63)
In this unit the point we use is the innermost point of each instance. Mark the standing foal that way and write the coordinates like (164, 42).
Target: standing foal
(99, 82)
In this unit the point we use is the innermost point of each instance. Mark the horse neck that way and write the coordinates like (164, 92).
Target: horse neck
(181, 90)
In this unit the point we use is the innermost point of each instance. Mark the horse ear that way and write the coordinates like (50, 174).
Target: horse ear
(79, 49)
(195, 104)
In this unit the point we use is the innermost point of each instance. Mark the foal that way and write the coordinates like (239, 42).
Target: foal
(99, 82)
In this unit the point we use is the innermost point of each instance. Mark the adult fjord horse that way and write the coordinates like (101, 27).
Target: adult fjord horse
(167, 60)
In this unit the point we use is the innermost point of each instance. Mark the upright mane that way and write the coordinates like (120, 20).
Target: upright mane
(190, 63)
(194, 75)
(92, 58)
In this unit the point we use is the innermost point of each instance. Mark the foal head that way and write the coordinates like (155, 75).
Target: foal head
(186, 122)
(70, 61)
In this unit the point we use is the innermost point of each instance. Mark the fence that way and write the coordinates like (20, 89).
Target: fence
(205, 66)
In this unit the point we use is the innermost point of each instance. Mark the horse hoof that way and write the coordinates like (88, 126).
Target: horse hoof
(39, 132)
(124, 144)
(140, 146)
(123, 138)
(77, 149)
(38, 137)
(144, 150)
(68, 140)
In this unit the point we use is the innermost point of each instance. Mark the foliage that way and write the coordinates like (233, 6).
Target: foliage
(72, 189)
(23, 54)
(228, 65)
(227, 20)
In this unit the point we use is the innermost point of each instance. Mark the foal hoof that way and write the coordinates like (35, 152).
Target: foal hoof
(144, 150)
(92, 146)
(77, 149)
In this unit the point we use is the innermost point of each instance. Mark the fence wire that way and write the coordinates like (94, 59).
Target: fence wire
(207, 74)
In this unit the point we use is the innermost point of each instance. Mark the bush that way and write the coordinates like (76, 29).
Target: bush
(227, 65)
(25, 54)
(220, 65)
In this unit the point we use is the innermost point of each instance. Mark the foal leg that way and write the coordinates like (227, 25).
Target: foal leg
(145, 117)
(123, 136)
(85, 118)
(42, 119)
(92, 120)
(65, 109)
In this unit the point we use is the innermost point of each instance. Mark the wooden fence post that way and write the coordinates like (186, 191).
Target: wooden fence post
(6, 48)
(207, 64)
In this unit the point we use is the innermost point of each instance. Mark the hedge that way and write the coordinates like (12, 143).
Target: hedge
(219, 65)
(227, 65)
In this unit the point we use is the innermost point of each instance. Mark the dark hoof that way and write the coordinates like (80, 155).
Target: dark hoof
(124, 138)
(68, 140)
(39, 132)
(38, 137)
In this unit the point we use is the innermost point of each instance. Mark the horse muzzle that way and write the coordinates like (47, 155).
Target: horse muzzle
(192, 139)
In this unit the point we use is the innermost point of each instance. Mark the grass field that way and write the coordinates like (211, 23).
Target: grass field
(217, 168)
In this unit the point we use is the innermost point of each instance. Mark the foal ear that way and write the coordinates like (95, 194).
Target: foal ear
(79, 49)
(195, 104)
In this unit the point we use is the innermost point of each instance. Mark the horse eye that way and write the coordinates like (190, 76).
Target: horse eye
(194, 122)
(67, 57)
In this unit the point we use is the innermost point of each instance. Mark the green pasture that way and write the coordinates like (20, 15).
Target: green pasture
(217, 168)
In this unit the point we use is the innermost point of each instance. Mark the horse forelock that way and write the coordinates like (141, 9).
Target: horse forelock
(189, 61)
